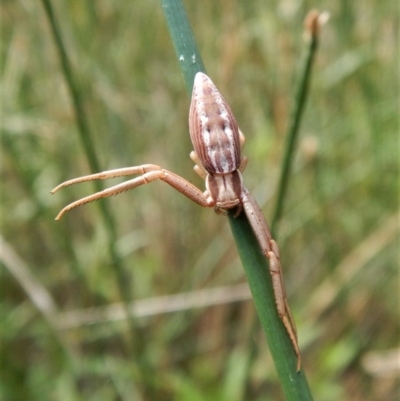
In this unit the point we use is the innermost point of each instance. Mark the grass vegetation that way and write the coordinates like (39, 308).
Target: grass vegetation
(64, 298)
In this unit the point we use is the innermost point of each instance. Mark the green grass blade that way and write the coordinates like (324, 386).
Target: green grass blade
(183, 40)
(89, 148)
(295, 119)
(294, 384)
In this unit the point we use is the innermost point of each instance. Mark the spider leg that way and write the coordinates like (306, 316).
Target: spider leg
(150, 173)
(198, 168)
(271, 251)
(119, 172)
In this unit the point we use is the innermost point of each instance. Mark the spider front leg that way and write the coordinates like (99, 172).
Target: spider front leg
(149, 173)
(270, 249)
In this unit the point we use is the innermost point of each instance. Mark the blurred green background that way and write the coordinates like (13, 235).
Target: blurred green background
(64, 288)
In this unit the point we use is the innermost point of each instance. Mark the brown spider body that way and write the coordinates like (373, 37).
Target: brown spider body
(218, 144)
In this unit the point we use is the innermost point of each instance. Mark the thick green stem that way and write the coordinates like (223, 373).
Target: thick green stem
(294, 383)
(183, 40)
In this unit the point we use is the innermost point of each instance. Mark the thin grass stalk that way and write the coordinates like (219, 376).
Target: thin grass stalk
(89, 149)
(311, 34)
(294, 384)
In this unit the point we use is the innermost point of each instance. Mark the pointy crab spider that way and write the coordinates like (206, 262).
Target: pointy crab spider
(218, 143)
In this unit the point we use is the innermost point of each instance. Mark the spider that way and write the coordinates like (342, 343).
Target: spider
(218, 144)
